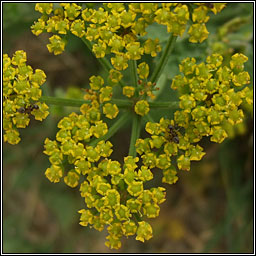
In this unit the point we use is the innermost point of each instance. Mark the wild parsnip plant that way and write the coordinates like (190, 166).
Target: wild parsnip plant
(211, 94)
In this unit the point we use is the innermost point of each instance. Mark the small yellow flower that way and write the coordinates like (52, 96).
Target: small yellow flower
(183, 163)
(71, 179)
(181, 14)
(120, 61)
(141, 107)
(92, 32)
(106, 94)
(169, 176)
(218, 7)
(129, 228)
(110, 110)
(12, 136)
(82, 166)
(144, 231)
(151, 210)
(135, 188)
(21, 120)
(134, 51)
(62, 26)
(99, 129)
(113, 167)
(86, 217)
(102, 188)
(99, 16)
(71, 10)
(127, 18)
(19, 58)
(134, 205)
(40, 113)
(104, 148)
(112, 198)
(54, 173)
(99, 49)
(113, 242)
(78, 28)
(198, 33)
(115, 76)
(153, 128)
(96, 82)
(128, 91)
(44, 7)
(143, 70)
(152, 47)
(106, 215)
(200, 14)
(57, 45)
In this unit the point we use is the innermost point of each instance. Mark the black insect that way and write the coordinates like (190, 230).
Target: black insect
(21, 110)
(208, 99)
(35, 106)
(124, 31)
(12, 94)
(28, 109)
(172, 133)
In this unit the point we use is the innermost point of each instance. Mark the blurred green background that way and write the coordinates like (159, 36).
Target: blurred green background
(209, 209)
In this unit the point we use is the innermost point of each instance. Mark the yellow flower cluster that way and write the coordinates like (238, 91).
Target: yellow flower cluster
(168, 148)
(21, 92)
(99, 95)
(116, 27)
(114, 194)
(210, 97)
(211, 94)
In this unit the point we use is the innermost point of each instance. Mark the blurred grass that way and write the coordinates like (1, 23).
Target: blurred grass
(210, 209)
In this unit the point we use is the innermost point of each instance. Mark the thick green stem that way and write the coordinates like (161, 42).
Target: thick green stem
(113, 129)
(163, 60)
(63, 101)
(136, 118)
(164, 104)
(78, 102)
(135, 134)
(122, 103)
(134, 74)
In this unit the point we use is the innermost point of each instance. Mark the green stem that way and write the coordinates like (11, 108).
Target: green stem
(103, 61)
(137, 217)
(122, 103)
(63, 101)
(163, 60)
(149, 118)
(136, 118)
(134, 74)
(113, 129)
(164, 104)
(135, 134)
(78, 102)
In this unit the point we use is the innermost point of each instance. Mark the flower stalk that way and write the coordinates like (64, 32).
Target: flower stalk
(134, 134)
(78, 102)
(163, 60)
(164, 104)
(134, 75)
